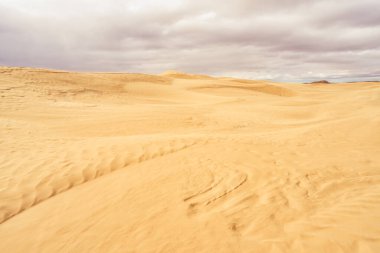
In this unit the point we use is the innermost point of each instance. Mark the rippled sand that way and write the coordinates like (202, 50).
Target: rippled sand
(107, 162)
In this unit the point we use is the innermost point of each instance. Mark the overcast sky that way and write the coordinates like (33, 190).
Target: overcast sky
(283, 40)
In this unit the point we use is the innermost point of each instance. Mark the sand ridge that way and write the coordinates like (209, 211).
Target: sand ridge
(114, 162)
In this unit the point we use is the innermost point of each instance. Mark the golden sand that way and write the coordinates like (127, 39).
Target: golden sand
(109, 162)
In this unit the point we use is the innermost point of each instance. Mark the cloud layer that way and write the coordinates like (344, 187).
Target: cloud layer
(286, 40)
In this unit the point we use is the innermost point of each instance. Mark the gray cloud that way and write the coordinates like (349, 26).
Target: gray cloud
(290, 40)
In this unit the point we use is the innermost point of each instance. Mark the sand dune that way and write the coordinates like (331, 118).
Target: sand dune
(113, 162)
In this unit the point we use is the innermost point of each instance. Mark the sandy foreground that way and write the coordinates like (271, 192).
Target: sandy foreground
(107, 162)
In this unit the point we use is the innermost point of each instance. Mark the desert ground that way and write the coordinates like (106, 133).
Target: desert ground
(117, 162)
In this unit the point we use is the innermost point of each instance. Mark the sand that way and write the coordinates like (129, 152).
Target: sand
(111, 162)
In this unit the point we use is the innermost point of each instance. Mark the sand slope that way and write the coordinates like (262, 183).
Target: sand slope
(108, 162)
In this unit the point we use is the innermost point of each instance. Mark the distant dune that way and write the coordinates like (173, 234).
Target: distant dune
(320, 82)
(113, 162)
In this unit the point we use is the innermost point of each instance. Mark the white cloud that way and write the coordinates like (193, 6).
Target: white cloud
(273, 39)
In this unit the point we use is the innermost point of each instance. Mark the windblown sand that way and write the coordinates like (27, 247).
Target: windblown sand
(107, 162)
